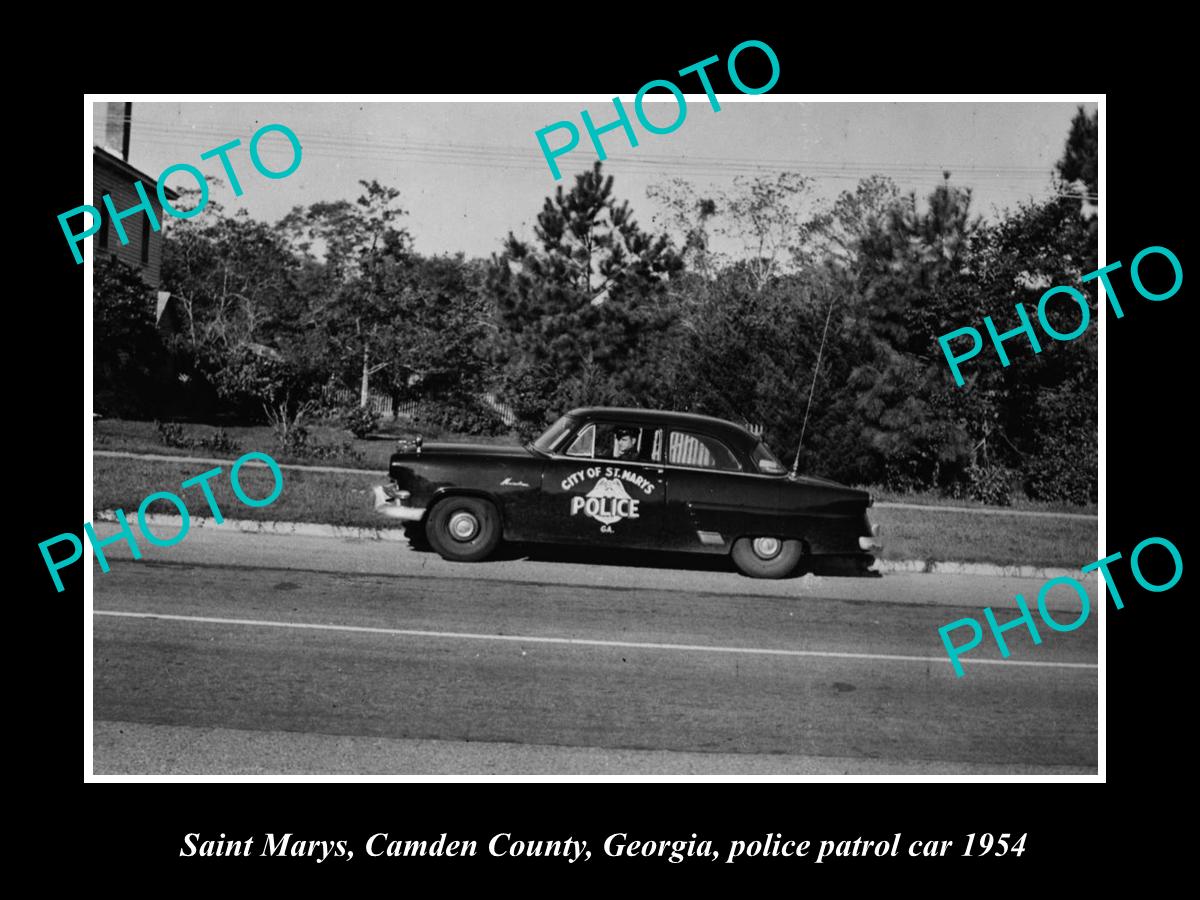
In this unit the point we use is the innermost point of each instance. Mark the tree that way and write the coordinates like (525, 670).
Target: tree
(233, 278)
(1080, 164)
(447, 338)
(583, 312)
(353, 288)
(1080, 161)
(129, 359)
(683, 212)
(763, 216)
(1045, 403)
(259, 378)
(236, 281)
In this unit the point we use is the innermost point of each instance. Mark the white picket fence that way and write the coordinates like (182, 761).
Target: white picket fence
(377, 403)
(381, 404)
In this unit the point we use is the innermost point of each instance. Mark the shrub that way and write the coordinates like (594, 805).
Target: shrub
(359, 420)
(990, 484)
(464, 416)
(218, 442)
(292, 440)
(297, 442)
(1065, 471)
(131, 367)
(171, 435)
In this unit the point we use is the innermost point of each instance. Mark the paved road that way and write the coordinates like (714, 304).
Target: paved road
(240, 653)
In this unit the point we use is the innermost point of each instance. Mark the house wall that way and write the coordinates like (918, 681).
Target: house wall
(117, 184)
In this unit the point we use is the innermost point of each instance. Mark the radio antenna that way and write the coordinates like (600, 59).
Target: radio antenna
(812, 387)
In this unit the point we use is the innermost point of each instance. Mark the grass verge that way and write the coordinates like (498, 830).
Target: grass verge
(932, 498)
(363, 453)
(967, 537)
(345, 499)
(326, 497)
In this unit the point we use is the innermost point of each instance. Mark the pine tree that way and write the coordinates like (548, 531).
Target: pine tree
(584, 311)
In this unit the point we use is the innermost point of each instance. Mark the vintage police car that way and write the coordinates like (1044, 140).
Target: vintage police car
(628, 478)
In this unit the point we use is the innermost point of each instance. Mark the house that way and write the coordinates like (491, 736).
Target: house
(113, 175)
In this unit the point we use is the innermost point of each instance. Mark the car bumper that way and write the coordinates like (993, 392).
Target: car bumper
(394, 504)
(871, 542)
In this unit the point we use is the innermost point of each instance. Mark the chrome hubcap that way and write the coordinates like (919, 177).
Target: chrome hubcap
(463, 526)
(767, 547)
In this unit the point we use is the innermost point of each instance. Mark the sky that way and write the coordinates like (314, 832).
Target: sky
(469, 172)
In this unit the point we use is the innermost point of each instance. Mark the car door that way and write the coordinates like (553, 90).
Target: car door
(594, 494)
(706, 499)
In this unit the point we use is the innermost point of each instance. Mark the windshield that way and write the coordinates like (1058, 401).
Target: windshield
(552, 435)
(766, 462)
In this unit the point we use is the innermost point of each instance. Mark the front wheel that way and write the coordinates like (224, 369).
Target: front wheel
(463, 529)
(767, 557)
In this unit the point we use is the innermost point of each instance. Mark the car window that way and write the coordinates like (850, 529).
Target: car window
(584, 443)
(618, 441)
(554, 434)
(766, 461)
(621, 441)
(701, 452)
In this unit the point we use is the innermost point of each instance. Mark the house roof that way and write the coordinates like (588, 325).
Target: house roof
(106, 157)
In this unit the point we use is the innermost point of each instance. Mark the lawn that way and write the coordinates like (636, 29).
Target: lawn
(337, 498)
(333, 498)
(360, 453)
(932, 498)
(969, 537)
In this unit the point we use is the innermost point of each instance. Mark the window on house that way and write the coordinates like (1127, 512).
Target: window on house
(102, 235)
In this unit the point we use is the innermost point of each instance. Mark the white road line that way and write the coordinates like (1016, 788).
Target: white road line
(633, 645)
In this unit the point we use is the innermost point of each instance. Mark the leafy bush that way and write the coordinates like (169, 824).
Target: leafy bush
(359, 420)
(171, 434)
(461, 415)
(218, 442)
(297, 442)
(293, 440)
(1065, 471)
(990, 484)
(130, 361)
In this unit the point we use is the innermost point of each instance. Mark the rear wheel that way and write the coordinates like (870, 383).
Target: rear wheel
(463, 529)
(767, 557)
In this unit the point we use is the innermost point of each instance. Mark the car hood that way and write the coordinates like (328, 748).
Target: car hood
(814, 481)
(832, 488)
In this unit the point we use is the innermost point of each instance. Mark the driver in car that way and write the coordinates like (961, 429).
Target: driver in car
(626, 447)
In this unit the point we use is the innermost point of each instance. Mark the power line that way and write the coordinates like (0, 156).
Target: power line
(450, 148)
(643, 166)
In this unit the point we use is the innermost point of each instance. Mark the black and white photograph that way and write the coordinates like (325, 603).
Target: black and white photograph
(669, 436)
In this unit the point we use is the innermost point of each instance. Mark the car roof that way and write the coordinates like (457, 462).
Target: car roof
(721, 428)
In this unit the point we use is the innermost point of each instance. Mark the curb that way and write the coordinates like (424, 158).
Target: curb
(252, 526)
(931, 567)
(314, 529)
(212, 460)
